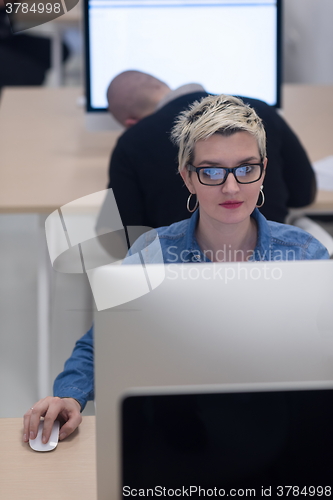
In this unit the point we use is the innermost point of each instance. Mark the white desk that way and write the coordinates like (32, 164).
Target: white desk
(66, 473)
(309, 111)
(48, 158)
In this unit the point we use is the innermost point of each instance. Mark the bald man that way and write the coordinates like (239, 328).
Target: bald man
(133, 95)
(143, 168)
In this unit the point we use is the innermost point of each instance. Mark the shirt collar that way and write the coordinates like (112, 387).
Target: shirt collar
(189, 88)
(263, 247)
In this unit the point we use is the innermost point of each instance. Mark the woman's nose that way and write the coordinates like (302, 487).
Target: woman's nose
(230, 185)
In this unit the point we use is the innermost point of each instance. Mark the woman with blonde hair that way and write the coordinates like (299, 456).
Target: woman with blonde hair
(222, 159)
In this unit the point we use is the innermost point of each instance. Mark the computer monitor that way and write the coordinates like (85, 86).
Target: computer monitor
(251, 440)
(229, 46)
(207, 325)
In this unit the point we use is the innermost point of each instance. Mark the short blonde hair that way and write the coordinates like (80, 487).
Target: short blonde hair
(222, 114)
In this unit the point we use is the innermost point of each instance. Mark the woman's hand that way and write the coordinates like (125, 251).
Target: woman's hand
(66, 410)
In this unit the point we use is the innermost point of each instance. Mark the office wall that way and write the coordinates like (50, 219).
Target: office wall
(18, 306)
(308, 41)
(71, 314)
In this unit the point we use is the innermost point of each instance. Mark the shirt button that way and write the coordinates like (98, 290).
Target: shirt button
(196, 258)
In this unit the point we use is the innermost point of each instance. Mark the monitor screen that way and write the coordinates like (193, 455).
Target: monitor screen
(247, 443)
(228, 46)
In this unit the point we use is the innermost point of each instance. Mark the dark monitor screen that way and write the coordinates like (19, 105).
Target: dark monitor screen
(228, 46)
(229, 441)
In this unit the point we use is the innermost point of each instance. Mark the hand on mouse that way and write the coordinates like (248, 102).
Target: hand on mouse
(66, 410)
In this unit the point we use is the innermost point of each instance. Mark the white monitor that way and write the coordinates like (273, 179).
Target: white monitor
(229, 46)
(207, 325)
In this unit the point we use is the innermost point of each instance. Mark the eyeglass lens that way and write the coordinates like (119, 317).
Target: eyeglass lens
(244, 174)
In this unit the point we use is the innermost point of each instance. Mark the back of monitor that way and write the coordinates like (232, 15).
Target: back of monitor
(209, 324)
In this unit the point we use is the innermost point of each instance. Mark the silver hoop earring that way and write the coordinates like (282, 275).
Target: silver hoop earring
(188, 204)
(262, 197)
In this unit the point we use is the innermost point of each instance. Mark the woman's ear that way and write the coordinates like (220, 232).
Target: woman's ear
(186, 175)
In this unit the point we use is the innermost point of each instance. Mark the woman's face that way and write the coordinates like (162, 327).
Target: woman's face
(231, 202)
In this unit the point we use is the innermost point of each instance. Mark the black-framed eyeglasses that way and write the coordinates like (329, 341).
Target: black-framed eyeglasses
(215, 176)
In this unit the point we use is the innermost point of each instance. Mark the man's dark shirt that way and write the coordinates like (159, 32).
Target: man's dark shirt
(150, 192)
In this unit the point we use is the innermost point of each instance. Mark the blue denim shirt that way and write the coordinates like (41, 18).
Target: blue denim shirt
(178, 244)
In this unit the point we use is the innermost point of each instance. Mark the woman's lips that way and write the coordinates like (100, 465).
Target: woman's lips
(231, 204)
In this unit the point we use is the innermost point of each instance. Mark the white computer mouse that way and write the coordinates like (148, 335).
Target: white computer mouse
(37, 445)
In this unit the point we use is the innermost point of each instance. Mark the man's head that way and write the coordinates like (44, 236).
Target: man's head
(222, 114)
(132, 95)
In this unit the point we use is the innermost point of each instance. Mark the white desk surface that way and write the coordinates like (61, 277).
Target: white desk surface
(66, 473)
(48, 158)
(309, 111)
